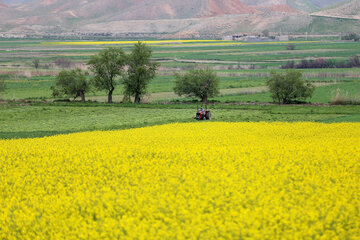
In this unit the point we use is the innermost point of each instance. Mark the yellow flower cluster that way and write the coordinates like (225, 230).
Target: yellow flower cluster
(129, 42)
(185, 181)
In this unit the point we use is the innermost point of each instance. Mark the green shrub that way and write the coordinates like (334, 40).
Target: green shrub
(289, 87)
(71, 83)
(201, 83)
(351, 36)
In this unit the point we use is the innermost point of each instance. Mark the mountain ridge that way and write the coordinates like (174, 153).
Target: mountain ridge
(348, 10)
(186, 18)
(2, 5)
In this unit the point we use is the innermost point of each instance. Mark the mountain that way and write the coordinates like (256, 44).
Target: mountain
(9, 2)
(7, 13)
(2, 5)
(325, 3)
(138, 9)
(301, 5)
(169, 18)
(71, 14)
(345, 10)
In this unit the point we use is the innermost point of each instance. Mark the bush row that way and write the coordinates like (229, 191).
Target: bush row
(323, 63)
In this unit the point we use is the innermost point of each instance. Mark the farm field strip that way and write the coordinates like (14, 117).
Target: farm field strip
(161, 87)
(21, 119)
(166, 96)
(231, 69)
(215, 52)
(323, 94)
(245, 52)
(242, 180)
(167, 43)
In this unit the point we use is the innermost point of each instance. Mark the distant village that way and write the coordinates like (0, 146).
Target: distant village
(80, 35)
(251, 38)
(243, 37)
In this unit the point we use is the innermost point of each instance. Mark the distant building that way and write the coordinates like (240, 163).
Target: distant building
(258, 39)
(282, 38)
(245, 38)
(239, 38)
(227, 38)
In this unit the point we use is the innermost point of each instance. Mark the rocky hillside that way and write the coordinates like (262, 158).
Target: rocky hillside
(15, 1)
(137, 9)
(325, 3)
(347, 10)
(2, 5)
(170, 18)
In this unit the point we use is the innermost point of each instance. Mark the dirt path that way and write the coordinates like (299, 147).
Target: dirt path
(334, 16)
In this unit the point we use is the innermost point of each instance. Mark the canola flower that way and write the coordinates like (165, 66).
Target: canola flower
(174, 43)
(185, 181)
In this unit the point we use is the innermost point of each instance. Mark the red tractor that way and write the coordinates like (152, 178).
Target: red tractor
(202, 114)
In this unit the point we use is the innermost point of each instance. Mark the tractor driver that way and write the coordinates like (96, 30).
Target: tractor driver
(202, 111)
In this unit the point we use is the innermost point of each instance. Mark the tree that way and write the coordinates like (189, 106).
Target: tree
(289, 87)
(351, 36)
(36, 63)
(106, 67)
(2, 85)
(197, 83)
(140, 72)
(71, 83)
(266, 33)
(354, 62)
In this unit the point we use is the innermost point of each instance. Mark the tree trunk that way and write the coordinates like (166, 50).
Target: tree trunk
(110, 96)
(82, 94)
(137, 98)
(204, 99)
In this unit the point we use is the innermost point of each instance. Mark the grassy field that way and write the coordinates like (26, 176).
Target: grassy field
(38, 120)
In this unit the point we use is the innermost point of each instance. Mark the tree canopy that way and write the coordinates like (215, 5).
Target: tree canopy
(2, 84)
(202, 83)
(107, 66)
(71, 83)
(36, 63)
(289, 87)
(141, 70)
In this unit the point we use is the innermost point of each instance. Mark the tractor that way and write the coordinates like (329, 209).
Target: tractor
(202, 114)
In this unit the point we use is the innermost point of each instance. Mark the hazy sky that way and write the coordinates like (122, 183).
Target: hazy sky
(14, 1)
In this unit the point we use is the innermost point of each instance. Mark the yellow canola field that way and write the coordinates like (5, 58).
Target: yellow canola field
(174, 43)
(185, 181)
